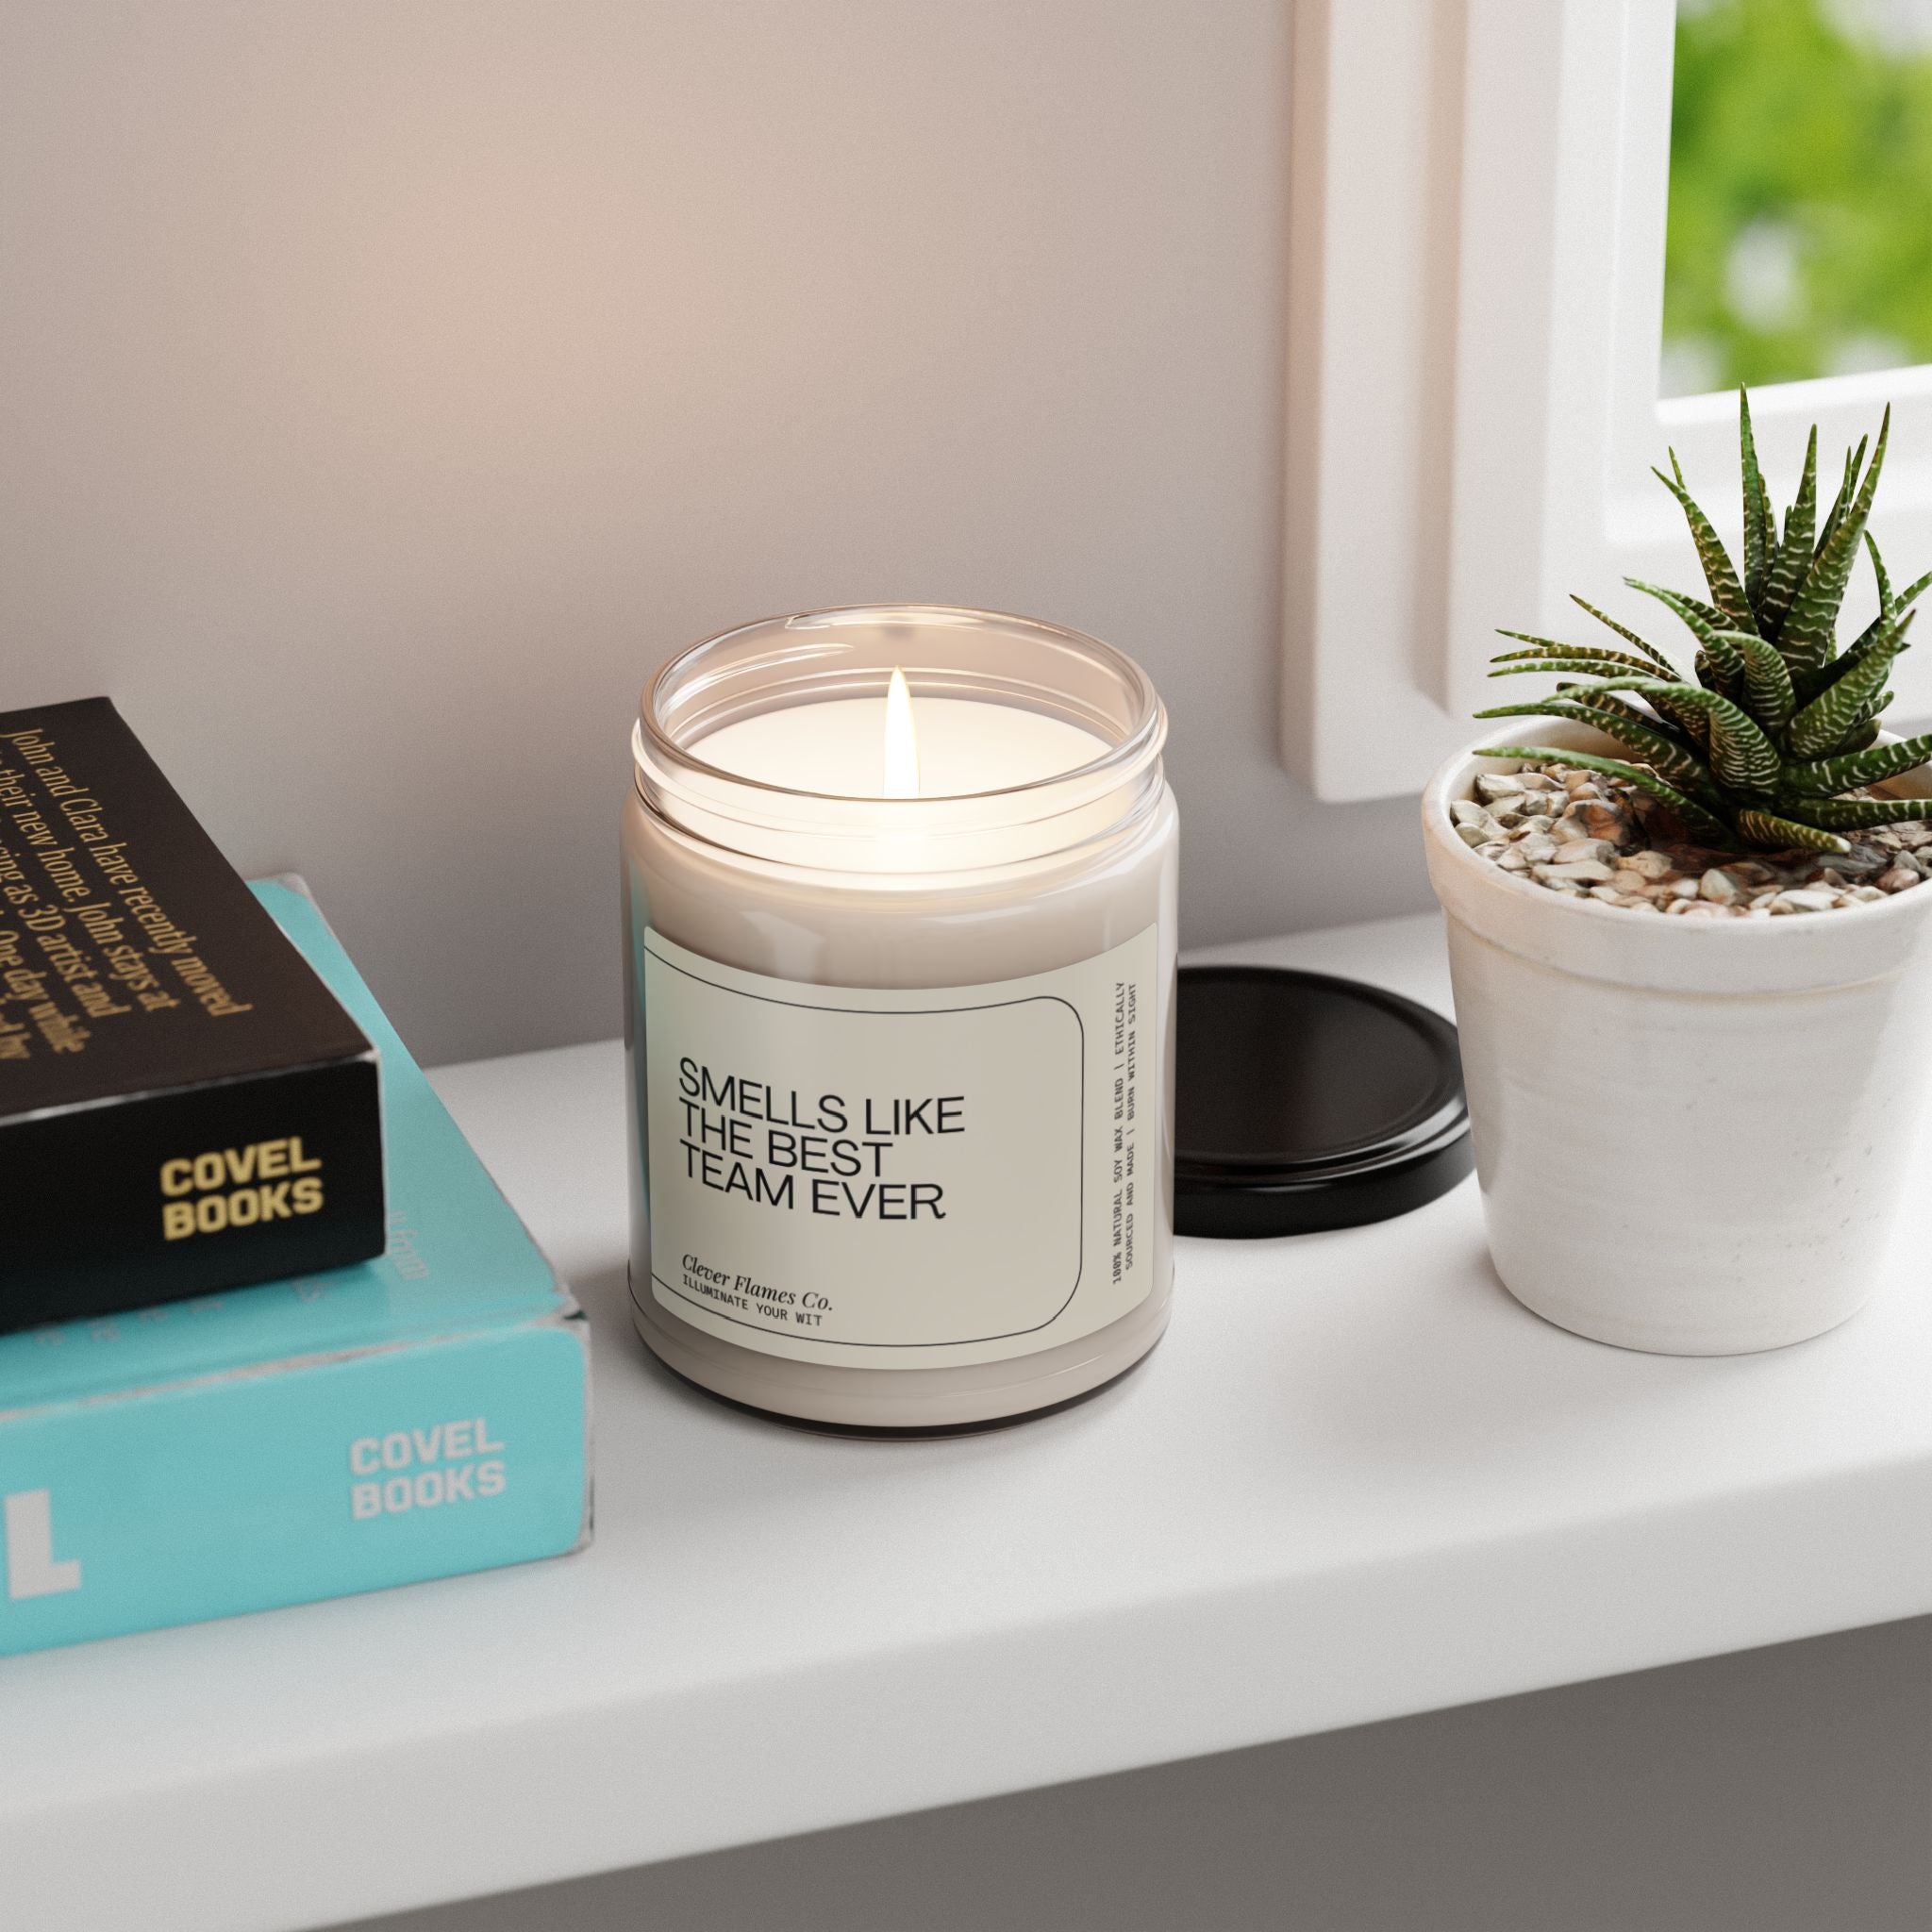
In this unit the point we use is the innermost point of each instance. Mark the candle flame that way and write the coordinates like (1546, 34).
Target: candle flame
(902, 741)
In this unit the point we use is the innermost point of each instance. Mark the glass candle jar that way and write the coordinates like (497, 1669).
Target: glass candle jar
(899, 920)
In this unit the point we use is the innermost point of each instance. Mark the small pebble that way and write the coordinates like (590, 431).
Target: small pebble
(1899, 879)
(1585, 872)
(1606, 821)
(1683, 889)
(1717, 886)
(1652, 864)
(1799, 900)
(1538, 848)
(1860, 861)
(1572, 851)
(1513, 860)
(1499, 785)
(1466, 811)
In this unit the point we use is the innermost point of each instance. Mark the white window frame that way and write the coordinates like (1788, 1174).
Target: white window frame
(1477, 199)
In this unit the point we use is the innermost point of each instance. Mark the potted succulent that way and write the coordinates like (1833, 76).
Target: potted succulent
(1691, 960)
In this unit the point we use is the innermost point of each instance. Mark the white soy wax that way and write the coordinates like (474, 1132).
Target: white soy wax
(840, 746)
(900, 916)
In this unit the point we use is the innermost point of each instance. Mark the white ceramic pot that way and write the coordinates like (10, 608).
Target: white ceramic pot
(1690, 1134)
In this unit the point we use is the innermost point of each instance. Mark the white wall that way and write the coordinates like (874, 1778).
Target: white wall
(387, 388)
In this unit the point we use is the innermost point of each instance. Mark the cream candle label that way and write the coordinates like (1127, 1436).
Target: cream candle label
(886, 1178)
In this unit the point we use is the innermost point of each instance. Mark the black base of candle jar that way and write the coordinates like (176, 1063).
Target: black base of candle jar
(866, 1432)
(1306, 1102)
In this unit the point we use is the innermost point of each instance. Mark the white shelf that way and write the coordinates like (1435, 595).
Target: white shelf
(1355, 1481)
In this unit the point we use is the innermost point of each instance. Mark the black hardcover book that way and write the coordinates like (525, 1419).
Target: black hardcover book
(183, 1106)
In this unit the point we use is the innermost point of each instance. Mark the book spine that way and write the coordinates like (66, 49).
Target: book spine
(148, 1198)
(317, 1480)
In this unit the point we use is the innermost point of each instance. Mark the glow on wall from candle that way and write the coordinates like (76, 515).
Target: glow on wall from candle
(902, 740)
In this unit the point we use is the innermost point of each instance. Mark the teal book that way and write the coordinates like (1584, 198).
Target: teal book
(419, 1415)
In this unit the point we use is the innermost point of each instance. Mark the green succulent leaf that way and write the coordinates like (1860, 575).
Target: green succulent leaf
(1793, 557)
(1805, 638)
(1767, 693)
(1692, 724)
(1847, 701)
(1669, 758)
(1709, 612)
(1878, 571)
(1908, 596)
(1695, 820)
(1725, 670)
(1610, 704)
(1880, 639)
(1826, 777)
(1770, 833)
(1861, 735)
(1854, 460)
(1570, 654)
(1880, 644)
(1727, 593)
(1808, 684)
(1628, 636)
(1856, 814)
(1692, 742)
(1760, 533)
(1513, 665)
(1742, 758)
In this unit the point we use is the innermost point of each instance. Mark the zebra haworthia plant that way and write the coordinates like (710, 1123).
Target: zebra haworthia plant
(1779, 725)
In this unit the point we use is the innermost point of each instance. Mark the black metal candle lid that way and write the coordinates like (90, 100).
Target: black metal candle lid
(1308, 1102)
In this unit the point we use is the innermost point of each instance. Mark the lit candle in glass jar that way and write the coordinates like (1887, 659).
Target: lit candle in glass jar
(900, 922)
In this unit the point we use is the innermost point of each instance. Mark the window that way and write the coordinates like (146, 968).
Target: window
(1800, 233)
(1479, 377)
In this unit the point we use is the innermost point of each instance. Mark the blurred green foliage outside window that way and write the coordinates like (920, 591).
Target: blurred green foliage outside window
(1801, 192)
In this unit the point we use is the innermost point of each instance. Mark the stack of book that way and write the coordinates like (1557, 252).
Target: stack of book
(275, 1333)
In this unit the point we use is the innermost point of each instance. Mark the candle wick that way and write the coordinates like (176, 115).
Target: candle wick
(902, 740)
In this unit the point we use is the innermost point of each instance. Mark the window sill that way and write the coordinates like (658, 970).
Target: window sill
(1355, 1481)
